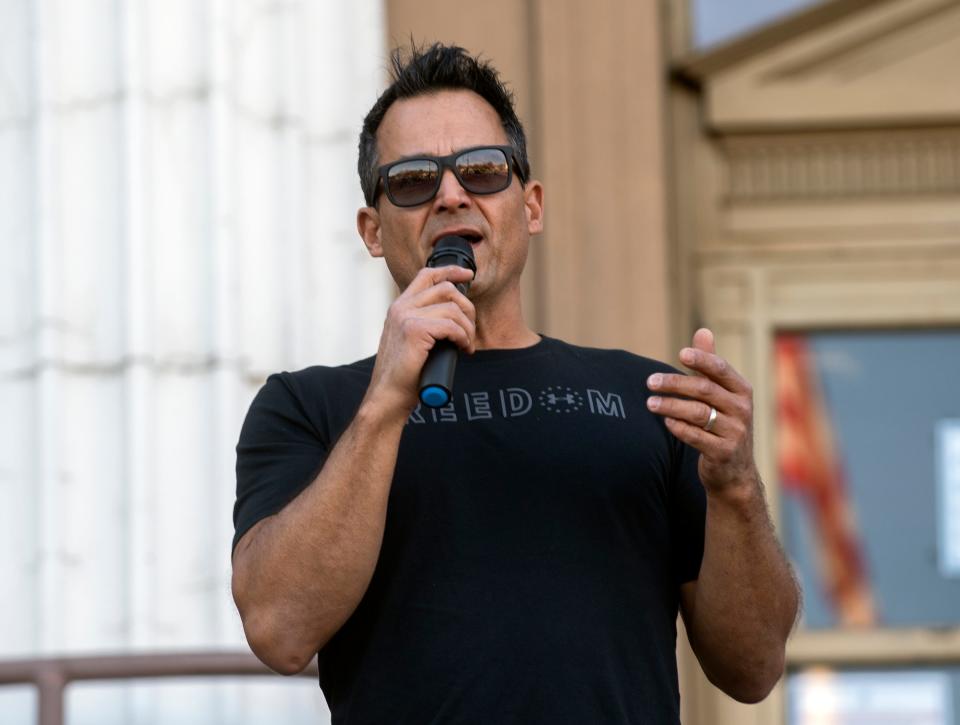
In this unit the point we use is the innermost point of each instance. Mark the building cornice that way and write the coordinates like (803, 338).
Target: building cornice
(694, 69)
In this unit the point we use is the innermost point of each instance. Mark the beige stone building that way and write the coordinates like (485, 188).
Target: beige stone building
(815, 185)
(805, 176)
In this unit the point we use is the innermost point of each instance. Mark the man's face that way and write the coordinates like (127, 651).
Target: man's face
(439, 124)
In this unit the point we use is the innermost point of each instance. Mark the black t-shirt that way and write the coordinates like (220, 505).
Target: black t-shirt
(537, 532)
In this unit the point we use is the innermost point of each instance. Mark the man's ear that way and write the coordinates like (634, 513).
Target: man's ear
(533, 201)
(368, 224)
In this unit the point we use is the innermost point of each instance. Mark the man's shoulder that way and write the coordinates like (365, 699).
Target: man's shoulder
(613, 357)
(357, 368)
(331, 378)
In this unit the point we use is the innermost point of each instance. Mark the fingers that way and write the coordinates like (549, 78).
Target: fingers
(727, 446)
(714, 367)
(429, 309)
(687, 400)
(430, 329)
(466, 327)
(432, 296)
(430, 276)
(695, 387)
(720, 449)
(694, 412)
(440, 293)
(703, 340)
(686, 403)
(434, 285)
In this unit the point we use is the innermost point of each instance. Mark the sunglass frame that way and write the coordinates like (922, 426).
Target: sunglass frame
(449, 162)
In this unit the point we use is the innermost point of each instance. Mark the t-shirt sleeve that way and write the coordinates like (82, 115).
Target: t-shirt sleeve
(279, 452)
(688, 509)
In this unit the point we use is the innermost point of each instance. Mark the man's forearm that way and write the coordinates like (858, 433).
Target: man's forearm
(298, 575)
(302, 573)
(746, 596)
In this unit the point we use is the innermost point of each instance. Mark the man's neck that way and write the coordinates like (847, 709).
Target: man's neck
(502, 327)
(506, 341)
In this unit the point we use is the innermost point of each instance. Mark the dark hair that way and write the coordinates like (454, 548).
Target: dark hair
(439, 67)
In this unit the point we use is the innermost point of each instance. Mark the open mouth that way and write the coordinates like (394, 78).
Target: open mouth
(471, 236)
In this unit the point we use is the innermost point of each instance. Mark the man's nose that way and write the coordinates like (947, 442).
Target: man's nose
(451, 194)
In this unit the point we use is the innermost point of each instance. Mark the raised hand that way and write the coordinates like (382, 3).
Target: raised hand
(714, 414)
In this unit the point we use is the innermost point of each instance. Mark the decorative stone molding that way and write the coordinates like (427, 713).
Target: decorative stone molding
(822, 166)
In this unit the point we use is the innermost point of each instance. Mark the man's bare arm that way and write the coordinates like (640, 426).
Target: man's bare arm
(299, 574)
(742, 608)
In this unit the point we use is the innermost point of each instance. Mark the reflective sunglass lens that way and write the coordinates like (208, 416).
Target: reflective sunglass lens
(412, 182)
(484, 171)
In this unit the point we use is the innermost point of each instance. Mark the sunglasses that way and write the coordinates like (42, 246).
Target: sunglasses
(479, 169)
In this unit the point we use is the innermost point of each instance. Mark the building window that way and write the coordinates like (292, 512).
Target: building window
(868, 433)
(871, 697)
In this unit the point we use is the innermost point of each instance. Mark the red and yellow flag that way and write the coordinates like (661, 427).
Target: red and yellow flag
(810, 467)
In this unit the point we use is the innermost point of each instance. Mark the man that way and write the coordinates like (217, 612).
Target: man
(520, 555)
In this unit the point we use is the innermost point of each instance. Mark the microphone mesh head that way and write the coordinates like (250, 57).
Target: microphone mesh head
(452, 250)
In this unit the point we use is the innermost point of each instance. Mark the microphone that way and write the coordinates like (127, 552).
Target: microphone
(436, 378)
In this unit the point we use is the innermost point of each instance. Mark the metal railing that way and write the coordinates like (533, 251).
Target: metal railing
(52, 675)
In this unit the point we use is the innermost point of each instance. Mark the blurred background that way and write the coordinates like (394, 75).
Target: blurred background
(177, 201)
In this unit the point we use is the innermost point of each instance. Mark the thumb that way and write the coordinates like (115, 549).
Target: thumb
(703, 340)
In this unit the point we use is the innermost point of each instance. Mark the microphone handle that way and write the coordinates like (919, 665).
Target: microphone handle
(436, 378)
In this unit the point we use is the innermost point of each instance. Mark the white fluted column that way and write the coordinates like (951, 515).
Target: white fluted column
(177, 201)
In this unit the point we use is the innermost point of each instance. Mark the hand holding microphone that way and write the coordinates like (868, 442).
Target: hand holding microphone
(436, 379)
(431, 312)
